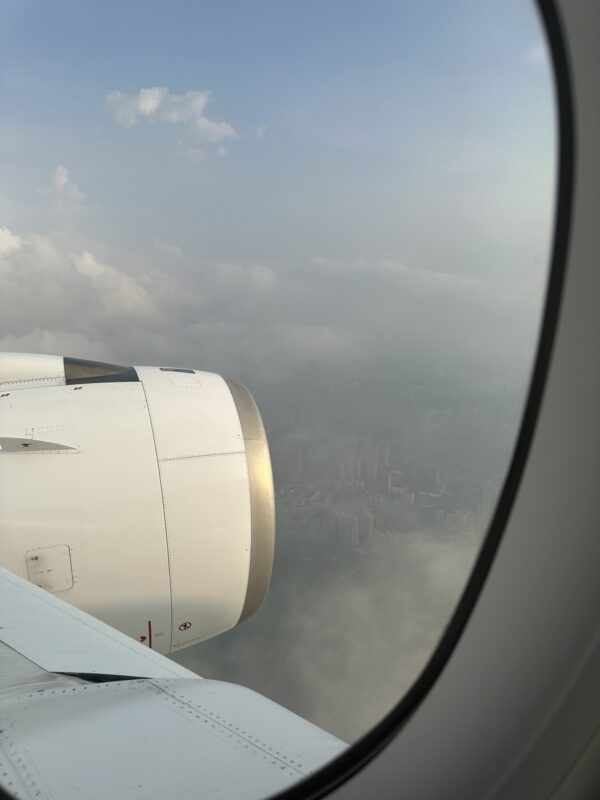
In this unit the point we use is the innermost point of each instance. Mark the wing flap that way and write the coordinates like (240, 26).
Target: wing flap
(183, 738)
(168, 733)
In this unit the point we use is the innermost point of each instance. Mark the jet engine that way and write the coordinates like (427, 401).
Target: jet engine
(142, 495)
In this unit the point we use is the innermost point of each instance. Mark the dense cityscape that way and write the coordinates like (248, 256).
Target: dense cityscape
(438, 470)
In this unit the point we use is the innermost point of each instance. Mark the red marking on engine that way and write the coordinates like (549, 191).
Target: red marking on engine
(142, 638)
(185, 625)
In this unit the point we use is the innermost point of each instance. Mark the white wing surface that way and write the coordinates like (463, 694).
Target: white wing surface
(88, 712)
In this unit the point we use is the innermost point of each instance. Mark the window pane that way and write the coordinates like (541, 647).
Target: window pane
(348, 207)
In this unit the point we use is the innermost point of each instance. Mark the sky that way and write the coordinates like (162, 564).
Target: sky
(274, 190)
(225, 169)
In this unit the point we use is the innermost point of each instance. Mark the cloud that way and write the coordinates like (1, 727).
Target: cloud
(64, 184)
(9, 242)
(382, 627)
(422, 280)
(118, 291)
(158, 103)
(166, 248)
(260, 131)
(213, 132)
(264, 322)
(56, 291)
(55, 342)
(537, 54)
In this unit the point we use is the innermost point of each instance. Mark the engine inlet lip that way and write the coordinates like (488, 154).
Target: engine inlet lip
(262, 497)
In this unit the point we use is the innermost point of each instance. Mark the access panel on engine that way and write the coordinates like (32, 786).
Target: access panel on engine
(50, 567)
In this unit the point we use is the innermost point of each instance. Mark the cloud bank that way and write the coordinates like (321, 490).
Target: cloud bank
(257, 320)
(9, 242)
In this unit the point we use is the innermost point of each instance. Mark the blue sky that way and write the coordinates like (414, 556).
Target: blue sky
(350, 133)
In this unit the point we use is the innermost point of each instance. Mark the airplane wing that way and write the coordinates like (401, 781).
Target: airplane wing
(86, 711)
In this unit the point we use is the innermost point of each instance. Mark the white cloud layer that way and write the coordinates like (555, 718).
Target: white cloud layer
(259, 321)
(59, 297)
(64, 184)
(118, 292)
(9, 242)
(158, 103)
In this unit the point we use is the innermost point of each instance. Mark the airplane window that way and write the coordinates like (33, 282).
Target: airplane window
(346, 206)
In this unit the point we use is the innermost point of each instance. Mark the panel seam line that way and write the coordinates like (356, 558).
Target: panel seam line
(162, 498)
(202, 455)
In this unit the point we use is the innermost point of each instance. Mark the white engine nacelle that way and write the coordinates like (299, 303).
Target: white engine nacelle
(142, 495)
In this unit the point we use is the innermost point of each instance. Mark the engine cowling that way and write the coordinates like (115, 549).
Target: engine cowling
(143, 495)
